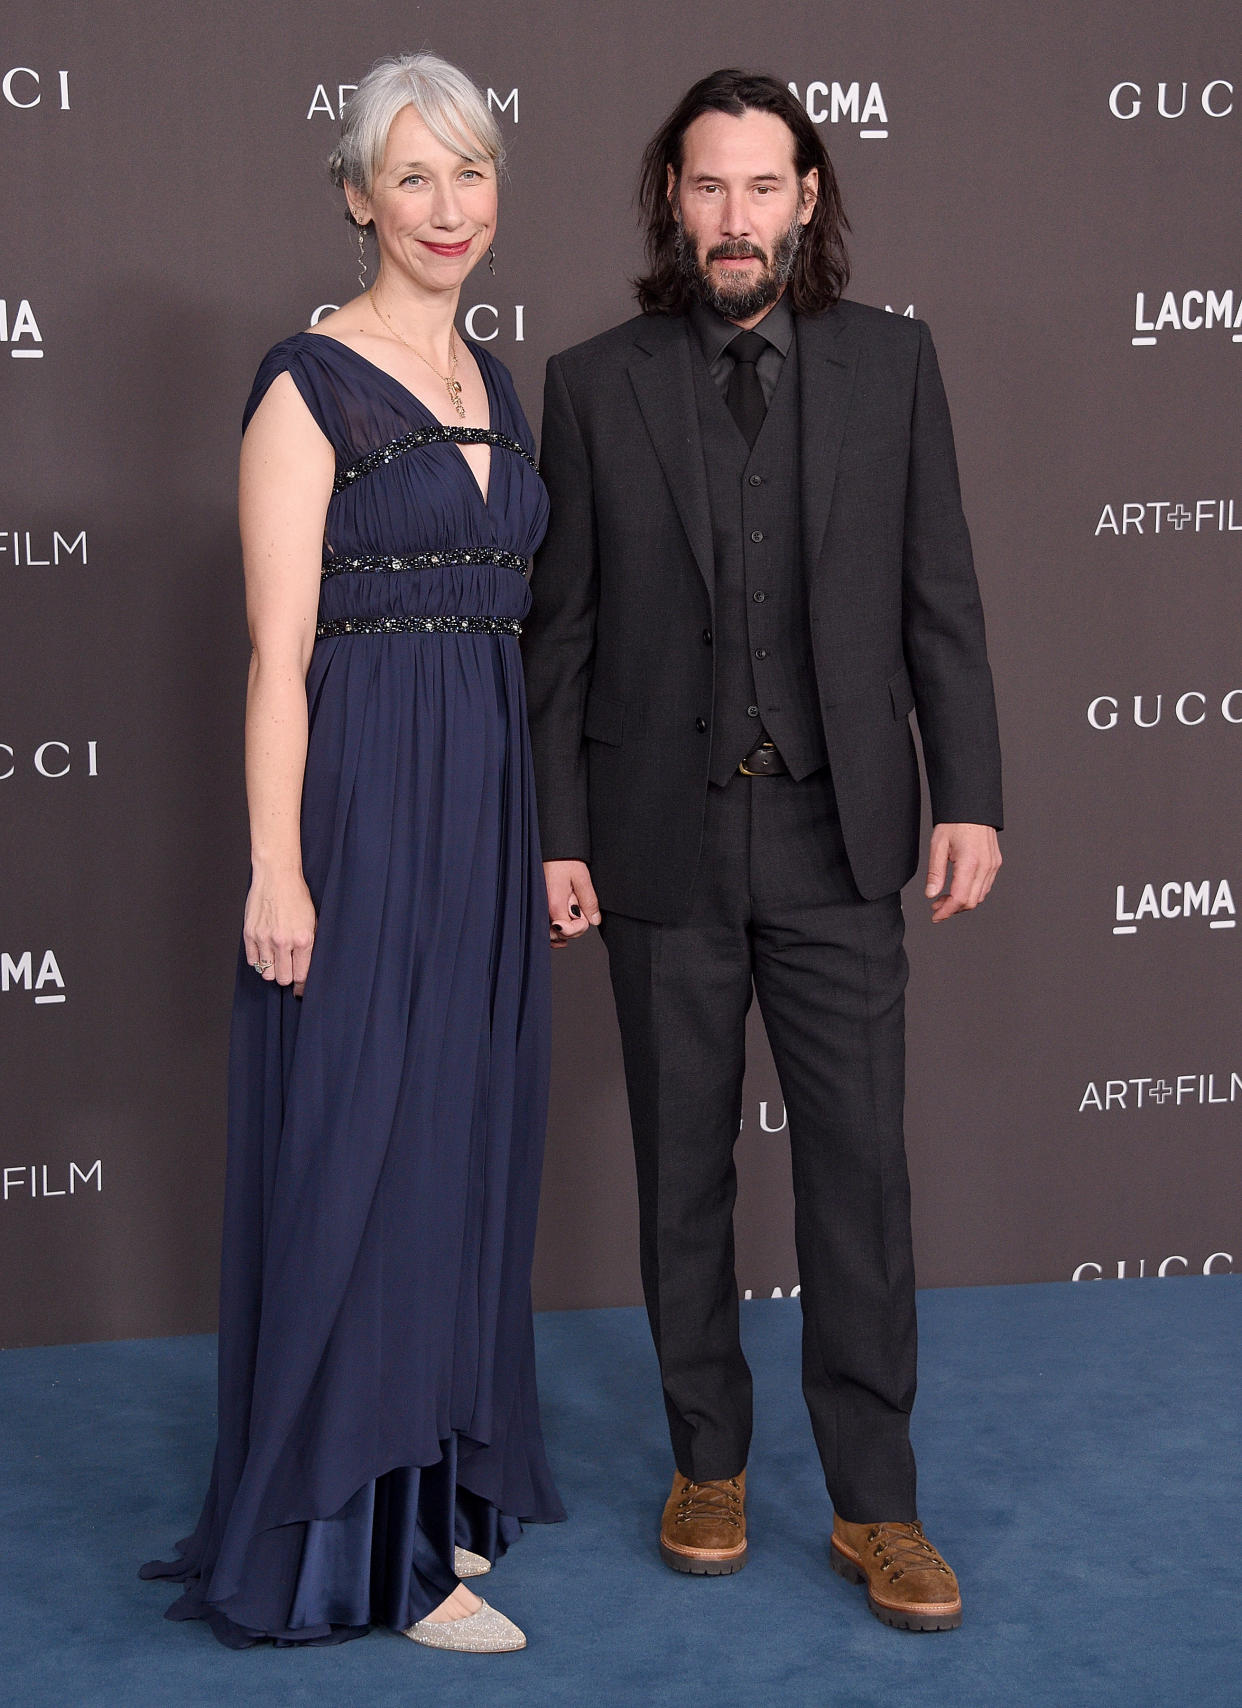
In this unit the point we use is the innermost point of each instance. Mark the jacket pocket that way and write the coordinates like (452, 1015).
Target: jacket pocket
(604, 719)
(857, 459)
(901, 693)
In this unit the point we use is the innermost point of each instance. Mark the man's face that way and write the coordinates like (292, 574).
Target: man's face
(741, 208)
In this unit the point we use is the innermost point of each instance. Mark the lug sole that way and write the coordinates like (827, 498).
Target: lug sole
(899, 1619)
(702, 1568)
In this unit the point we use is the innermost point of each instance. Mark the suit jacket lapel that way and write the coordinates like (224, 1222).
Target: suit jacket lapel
(664, 385)
(827, 361)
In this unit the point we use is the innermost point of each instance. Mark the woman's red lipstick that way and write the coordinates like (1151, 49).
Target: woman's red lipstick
(446, 248)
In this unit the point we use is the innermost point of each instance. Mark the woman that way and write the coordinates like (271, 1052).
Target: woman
(379, 1429)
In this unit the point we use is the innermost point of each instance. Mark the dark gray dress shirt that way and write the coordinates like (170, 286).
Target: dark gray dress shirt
(715, 333)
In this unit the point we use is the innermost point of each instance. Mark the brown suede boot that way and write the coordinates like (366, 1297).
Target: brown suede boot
(908, 1584)
(703, 1530)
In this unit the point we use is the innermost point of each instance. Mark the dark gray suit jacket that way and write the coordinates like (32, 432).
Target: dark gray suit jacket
(618, 644)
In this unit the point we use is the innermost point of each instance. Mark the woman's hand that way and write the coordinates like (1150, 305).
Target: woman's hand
(279, 930)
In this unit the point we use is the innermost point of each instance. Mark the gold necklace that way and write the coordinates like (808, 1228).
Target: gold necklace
(450, 380)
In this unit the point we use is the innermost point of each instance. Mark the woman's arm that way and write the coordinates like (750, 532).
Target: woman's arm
(287, 469)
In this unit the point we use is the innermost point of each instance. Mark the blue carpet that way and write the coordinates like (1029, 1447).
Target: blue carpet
(1079, 1451)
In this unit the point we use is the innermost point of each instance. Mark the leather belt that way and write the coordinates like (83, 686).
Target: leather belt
(764, 761)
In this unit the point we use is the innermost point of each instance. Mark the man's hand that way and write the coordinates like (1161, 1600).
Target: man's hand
(572, 907)
(974, 853)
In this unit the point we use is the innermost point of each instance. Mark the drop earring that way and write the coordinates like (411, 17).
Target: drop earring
(362, 256)
(491, 259)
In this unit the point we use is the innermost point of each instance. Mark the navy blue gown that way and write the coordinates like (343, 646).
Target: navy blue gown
(377, 1381)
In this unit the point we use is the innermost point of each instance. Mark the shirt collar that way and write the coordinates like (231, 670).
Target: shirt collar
(715, 333)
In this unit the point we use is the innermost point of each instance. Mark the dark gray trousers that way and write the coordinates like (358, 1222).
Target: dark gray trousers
(775, 912)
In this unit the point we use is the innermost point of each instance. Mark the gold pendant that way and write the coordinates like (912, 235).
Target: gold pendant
(454, 391)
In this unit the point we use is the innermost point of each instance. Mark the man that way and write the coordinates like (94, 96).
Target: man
(757, 567)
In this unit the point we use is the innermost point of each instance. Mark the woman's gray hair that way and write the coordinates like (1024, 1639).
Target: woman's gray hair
(445, 100)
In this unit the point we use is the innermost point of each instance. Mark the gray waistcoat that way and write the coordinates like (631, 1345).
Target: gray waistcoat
(764, 671)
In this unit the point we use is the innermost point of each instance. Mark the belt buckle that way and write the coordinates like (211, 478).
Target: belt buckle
(742, 766)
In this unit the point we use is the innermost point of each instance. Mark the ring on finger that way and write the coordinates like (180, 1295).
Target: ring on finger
(263, 966)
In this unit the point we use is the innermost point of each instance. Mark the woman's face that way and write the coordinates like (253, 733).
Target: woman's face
(434, 213)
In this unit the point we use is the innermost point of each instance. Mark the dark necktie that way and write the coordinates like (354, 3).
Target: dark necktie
(744, 394)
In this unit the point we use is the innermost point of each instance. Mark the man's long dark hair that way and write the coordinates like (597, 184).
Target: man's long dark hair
(821, 269)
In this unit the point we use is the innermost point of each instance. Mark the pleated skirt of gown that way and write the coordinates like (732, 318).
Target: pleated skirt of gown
(376, 1367)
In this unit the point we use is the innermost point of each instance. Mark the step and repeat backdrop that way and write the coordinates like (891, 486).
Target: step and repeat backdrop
(1053, 188)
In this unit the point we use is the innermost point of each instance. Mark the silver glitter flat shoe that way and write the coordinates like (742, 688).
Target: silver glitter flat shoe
(468, 1565)
(483, 1633)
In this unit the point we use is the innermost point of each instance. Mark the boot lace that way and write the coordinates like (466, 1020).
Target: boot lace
(901, 1548)
(720, 1500)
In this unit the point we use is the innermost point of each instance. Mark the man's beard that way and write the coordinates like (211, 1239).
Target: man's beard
(745, 298)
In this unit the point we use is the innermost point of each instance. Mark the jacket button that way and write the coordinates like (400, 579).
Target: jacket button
(761, 652)
(700, 724)
(756, 480)
(707, 637)
(752, 711)
(756, 535)
(758, 598)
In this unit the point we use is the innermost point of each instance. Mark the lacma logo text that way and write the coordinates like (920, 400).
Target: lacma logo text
(1192, 311)
(1205, 900)
(17, 972)
(845, 103)
(20, 330)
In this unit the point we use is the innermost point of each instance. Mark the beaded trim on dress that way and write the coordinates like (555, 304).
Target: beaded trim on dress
(453, 555)
(335, 626)
(439, 435)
